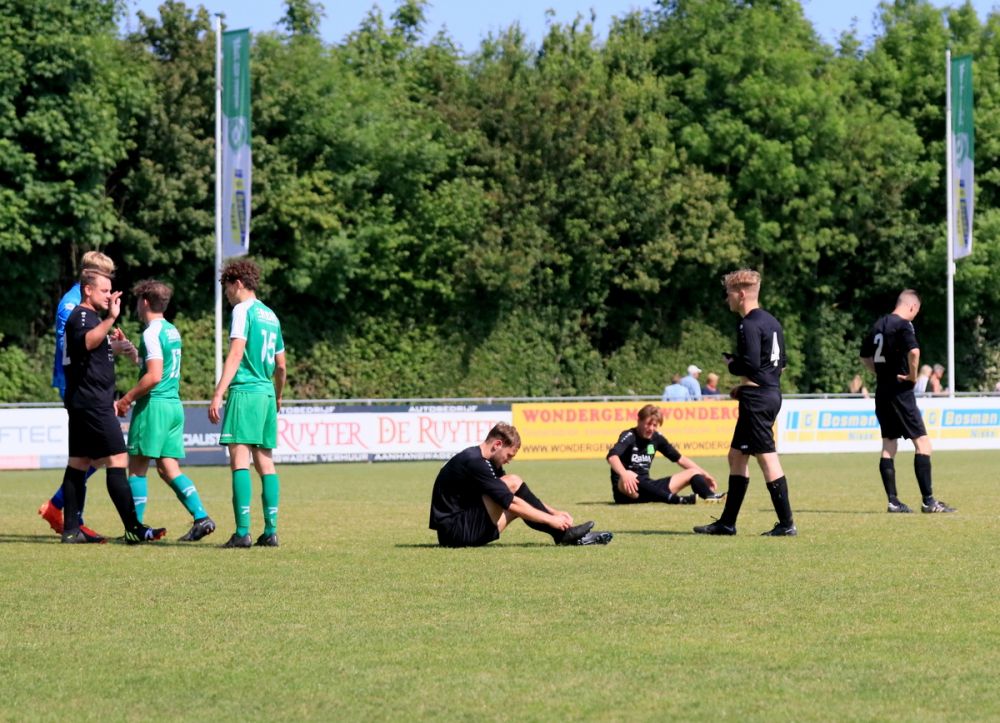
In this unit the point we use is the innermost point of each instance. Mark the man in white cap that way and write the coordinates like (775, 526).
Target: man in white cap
(690, 382)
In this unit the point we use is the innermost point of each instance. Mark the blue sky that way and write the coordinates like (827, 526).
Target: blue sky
(468, 21)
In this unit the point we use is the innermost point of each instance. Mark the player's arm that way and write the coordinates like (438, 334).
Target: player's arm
(152, 377)
(229, 369)
(522, 509)
(913, 361)
(746, 363)
(868, 363)
(96, 336)
(120, 344)
(630, 480)
(280, 375)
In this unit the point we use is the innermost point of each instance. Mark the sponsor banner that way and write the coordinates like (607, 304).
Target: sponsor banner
(963, 155)
(37, 438)
(377, 434)
(237, 165)
(30, 436)
(850, 425)
(201, 439)
(587, 430)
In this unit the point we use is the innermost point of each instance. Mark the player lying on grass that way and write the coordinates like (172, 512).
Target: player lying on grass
(474, 499)
(632, 456)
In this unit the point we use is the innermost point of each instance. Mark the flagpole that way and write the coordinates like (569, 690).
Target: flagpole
(949, 173)
(218, 198)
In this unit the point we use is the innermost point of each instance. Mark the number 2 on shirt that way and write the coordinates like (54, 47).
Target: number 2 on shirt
(775, 350)
(879, 359)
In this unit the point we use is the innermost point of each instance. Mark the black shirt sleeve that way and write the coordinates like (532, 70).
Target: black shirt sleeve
(488, 480)
(665, 448)
(77, 326)
(625, 441)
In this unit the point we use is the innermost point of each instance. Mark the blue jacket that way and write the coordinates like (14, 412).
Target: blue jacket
(67, 303)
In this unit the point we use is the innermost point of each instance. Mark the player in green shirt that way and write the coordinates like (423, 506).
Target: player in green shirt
(157, 428)
(250, 429)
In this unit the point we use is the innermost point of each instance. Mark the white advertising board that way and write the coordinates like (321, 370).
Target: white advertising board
(850, 425)
(377, 434)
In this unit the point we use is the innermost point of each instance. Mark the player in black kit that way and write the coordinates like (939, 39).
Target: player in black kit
(95, 437)
(632, 456)
(759, 360)
(892, 352)
(474, 499)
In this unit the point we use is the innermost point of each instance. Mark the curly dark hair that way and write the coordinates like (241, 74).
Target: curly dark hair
(243, 270)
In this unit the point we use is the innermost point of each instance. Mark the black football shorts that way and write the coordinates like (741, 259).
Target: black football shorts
(95, 433)
(469, 528)
(898, 415)
(759, 407)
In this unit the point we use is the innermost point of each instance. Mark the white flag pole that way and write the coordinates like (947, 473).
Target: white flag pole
(218, 198)
(949, 173)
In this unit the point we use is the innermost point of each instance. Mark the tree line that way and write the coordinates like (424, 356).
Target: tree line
(516, 219)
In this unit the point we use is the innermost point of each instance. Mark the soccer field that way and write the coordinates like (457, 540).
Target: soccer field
(359, 615)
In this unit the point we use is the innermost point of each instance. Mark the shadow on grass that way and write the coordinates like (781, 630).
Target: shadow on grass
(46, 539)
(653, 532)
(116, 541)
(492, 545)
(839, 512)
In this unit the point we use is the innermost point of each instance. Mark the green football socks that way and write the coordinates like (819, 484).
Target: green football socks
(241, 500)
(187, 493)
(139, 495)
(269, 498)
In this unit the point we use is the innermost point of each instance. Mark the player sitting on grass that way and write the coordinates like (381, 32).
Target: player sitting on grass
(157, 429)
(474, 499)
(632, 456)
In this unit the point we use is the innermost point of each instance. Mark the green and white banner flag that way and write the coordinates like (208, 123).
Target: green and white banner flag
(236, 162)
(963, 147)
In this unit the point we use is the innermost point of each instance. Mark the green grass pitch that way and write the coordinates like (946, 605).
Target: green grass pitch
(864, 616)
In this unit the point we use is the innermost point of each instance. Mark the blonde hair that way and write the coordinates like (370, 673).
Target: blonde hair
(96, 261)
(745, 279)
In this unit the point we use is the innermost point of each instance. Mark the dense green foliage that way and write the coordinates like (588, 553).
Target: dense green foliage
(519, 220)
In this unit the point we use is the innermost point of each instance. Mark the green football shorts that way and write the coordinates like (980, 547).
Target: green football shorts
(251, 418)
(157, 429)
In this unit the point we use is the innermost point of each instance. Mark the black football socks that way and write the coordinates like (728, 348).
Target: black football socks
(887, 470)
(74, 492)
(525, 493)
(699, 485)
(778, 489)
(734, 499)
(121, 495)
(922, 468)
